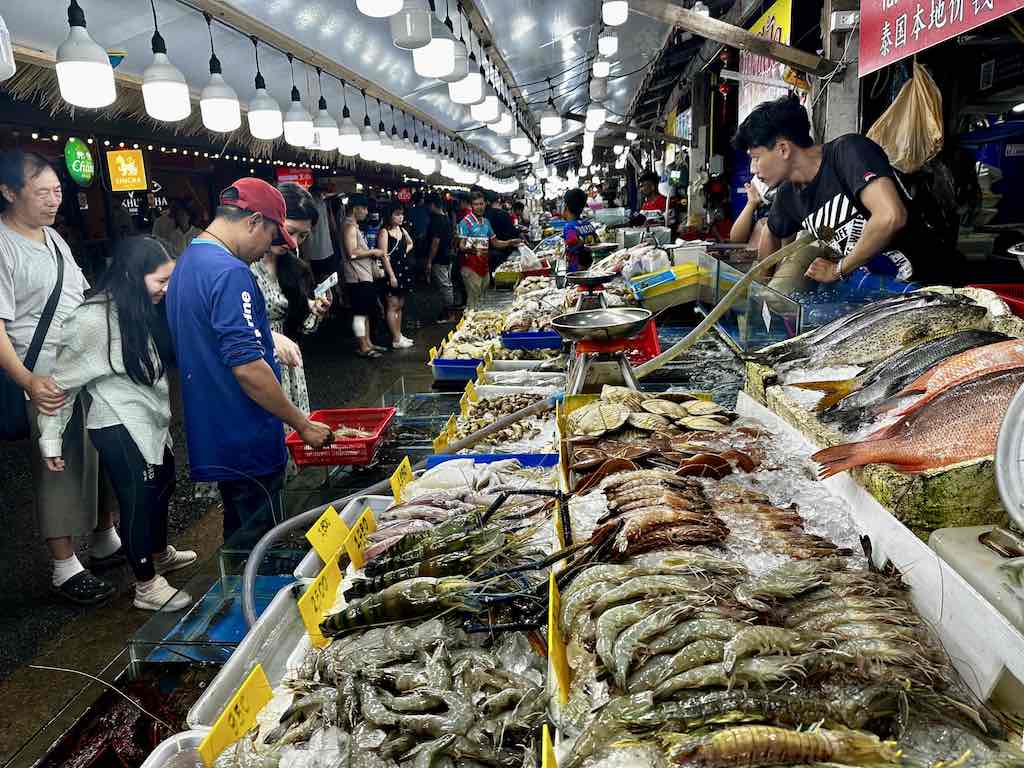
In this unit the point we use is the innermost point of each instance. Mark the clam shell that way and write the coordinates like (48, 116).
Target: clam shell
(598, 418)
(628, 397)
(665, 408)
(703, 424)
(649, 421)
(702, 407)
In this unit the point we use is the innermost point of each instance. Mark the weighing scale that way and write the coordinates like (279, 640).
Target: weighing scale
(589, 287)
(601, 339)
(991, 558)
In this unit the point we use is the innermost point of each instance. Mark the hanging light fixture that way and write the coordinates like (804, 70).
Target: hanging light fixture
(519, 144)
(164, 90)
(298, 124)
(608, 42)
(218, 102)
(595, 115)
(618, 149)
(550, 120)
(410, 27)
(264, 113)
(384, 150)
(437, 58)
(461, 68)
(379, 9)
(602, 67)
(631, 135)
(325, 127)
(470, 89)
(349, 139)
(84, 74)
(504, 125)
(369, 141)
(614, 12)
(488, 110)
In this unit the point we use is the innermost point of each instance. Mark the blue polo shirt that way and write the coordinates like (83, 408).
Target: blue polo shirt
(218, 320)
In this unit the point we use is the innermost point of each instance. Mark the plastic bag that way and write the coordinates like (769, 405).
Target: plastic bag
(528, 258)
(910, 130)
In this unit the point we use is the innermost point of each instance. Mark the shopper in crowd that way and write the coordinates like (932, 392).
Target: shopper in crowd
(578, 235)
(504, 231)
(396, 242)
(115, 346)
(476, 237)
(231, 380)
(418, 221)
(357, 265)
(844, 192)
(316, 247)
(175, 226)
(287, 287)
(519, 214)
(438, 267)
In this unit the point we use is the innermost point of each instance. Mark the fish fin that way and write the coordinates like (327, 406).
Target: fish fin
(840, 458)
(834, 391)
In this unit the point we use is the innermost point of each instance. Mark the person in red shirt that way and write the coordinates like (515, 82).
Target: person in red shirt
(651, 200)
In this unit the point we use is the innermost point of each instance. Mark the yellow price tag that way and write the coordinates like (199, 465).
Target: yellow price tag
(480, 372)
(318, 599)
(556, 647)
(359, 537)
(433, 353)
(547, 754)
(471, 391)
(464, 404)
(401, 477)
(451, 428)
(327, 534)
(559, 530)
(238, 717)
(441, 442)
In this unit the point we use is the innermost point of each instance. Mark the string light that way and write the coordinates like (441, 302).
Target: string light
(164, 90)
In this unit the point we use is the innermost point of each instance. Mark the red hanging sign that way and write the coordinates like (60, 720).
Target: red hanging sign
(404, 195)
(891, 30)
(302, 176)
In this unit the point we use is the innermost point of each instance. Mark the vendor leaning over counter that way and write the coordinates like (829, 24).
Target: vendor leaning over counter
(650, 198)
(844, 192)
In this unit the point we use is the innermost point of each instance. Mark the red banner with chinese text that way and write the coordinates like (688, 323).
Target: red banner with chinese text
(891, 30)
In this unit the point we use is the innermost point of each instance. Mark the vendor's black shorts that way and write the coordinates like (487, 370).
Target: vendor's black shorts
(362, 298)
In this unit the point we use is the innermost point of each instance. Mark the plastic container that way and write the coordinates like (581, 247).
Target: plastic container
(526, 459)
(1011, 293)
(668, 288)
(187, 741)
(357, 450)
(453, 369)
(531, 340)
(640, 349)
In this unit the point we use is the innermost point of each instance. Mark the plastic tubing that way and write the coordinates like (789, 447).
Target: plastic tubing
(306, 519)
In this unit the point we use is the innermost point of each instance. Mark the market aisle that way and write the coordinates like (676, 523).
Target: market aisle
(34, 628)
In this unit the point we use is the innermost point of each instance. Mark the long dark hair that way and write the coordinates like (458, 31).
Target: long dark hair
(293, 274)
(142, 324)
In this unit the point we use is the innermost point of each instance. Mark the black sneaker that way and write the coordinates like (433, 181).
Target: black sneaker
(85, 589)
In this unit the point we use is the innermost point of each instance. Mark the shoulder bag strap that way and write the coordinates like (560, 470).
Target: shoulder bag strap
(49, 310)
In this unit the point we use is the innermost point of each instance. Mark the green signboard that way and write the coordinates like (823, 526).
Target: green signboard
(78, 159)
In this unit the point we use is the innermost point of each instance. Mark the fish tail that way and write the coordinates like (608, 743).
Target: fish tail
(840, 458)
(834, 391)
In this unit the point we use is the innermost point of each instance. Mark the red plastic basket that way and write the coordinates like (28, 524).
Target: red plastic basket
(1011, 293)
(355, 450)
(639, 349)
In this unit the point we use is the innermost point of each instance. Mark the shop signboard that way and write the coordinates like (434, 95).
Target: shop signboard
(891, 30)
(127, 170)
(774, 24)
(301, 176)
(404, 195)
(78, 160)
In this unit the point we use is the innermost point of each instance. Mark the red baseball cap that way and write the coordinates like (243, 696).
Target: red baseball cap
(258, 196)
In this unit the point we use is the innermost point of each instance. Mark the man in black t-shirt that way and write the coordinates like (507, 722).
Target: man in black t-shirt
(844, 192)
(504, 229)
(438, 265)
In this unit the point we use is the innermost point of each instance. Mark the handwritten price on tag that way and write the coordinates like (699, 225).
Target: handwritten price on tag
(327, 534)
(401, 478)
(318, 598)
(359, 537)
(238, 717)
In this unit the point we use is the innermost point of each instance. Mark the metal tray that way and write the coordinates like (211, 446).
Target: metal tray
(311, 564)
(168, 748)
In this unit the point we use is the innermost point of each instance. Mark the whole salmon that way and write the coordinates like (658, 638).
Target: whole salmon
(960, 423)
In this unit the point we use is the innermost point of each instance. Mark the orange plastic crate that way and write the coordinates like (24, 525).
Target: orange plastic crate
(353, 450)
(638, 349)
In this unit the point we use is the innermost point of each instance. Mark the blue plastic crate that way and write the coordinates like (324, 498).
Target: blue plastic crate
(450, 369)
(526, 459)
(531, 340)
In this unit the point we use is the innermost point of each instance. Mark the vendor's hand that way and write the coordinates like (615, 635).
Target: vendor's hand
(316, 435)
(753, 196)
(45, 394)
(288, 352)
(393, 281)
(823, 271)
(55, 463)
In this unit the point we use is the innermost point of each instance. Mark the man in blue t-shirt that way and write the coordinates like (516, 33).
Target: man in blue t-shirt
(230, 380)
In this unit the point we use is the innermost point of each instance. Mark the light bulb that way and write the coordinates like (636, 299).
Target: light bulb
(531, 180)
(550, 121)
(349, 139)
(631, 135)
(487, 111)
(264, 114)
(520, 145)
(614, 12)
(602, 68)
(379, 9)
(164, 90)
(504, 125)
(298, 124)
(468, 90)
(618, 149)
(325, 130)
(410, 27)
(608, 43)
(369, 143)
(218, 104)
(595, 116)
(461, 66)
(436, 59)
(84, 74)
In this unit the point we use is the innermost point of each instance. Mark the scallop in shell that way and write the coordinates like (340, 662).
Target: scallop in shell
(665, 408)
(649, 421)
(702, 407)
(597, 418)
(703, 424)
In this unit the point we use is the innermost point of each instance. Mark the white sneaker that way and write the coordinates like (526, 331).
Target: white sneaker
(158, 595)
(403, 343)
(174, 560)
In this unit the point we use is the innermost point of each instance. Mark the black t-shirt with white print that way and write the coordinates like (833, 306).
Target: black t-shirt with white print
(832, 200)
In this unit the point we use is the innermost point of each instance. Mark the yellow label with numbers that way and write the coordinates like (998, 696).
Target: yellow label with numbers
(318, 599)
(400, 478)
(480, 371)
(441, 442)
(238, 717)
(556, 647)
(452, 427)
(471, 392)
(433, 353)
(359, 537)
(327, 534)
(547, 754)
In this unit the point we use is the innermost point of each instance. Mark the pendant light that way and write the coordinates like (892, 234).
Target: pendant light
(325, 127)
(550, 120)
(410, 27)
(631, 135)
(461, 68)
(488, 110)
(84, 74)
(384, 151)
(379, 9)
(408, 148)
(602, 67)
(595, 115)
(470, 89)
(519, 144)
(608, 42)
(298, 125)
(397, 150)
(218, 102)
(504, 125)
(437, 58)
(264, 113)
(349, 139)
(614, 12)
(369, 142)
(588, 139)
(164, 90)
(598, 88)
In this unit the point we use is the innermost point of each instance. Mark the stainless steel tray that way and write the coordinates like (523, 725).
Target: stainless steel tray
(168, 748)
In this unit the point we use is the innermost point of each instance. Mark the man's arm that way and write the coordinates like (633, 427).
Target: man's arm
(352, 248)
(435, 245)
(44, 393)
(768, 244)
(258, 381)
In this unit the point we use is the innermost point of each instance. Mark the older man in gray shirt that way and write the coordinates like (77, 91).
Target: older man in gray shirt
(66, 502)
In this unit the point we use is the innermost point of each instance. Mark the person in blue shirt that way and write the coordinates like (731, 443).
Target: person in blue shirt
(578, 235)
(230, 380)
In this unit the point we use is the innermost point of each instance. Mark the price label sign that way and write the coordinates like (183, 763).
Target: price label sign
(547, 754)
(433, 353)
(402, 477)
(441, 442)
(556, 646)
(327, 534)
(359, 537)
(238, 717)
(471, 392)
(318, 599)
(451, 427)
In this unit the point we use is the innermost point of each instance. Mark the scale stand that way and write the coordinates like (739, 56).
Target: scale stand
(602, 337)
(599, 368)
